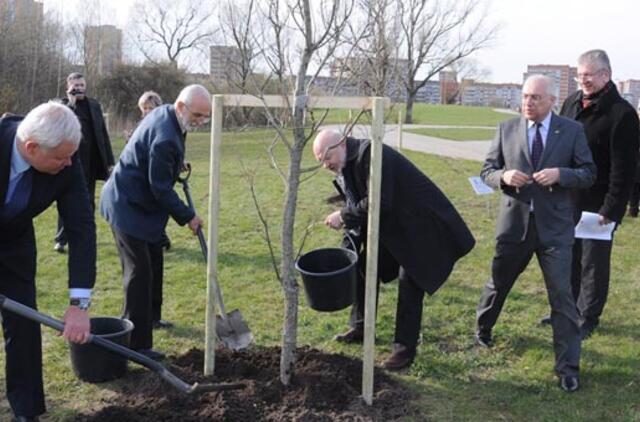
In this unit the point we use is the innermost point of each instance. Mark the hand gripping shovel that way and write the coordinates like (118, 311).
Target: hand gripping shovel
(231, 328)
(33, 315)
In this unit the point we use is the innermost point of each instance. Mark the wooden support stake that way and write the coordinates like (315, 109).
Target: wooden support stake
(375, 178)
(214, 210)
(399, 130)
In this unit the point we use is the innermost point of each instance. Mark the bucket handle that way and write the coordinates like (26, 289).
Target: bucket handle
(348, 233)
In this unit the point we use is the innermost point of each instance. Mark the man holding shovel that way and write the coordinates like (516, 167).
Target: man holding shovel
(38, 167)
(138, 199)
(419, 229)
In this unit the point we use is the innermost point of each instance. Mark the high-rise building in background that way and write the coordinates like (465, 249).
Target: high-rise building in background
(563, 75)
(475, 93)
(21, 12)
(224, 62)
(630, 91)
(102, 50)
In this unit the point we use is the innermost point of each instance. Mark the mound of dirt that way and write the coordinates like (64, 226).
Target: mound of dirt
(325, 387)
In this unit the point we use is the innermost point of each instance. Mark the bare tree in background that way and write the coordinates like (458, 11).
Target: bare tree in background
(374, 65)
(298, 42)
(166, 30)
(436, 35)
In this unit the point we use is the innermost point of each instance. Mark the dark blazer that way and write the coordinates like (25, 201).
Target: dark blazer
(103, 143)
(68, 189)
(138, 198)
(611, 126)
(566, 148)
(419, 227)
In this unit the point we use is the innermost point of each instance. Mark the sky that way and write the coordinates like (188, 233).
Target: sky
(532, 32)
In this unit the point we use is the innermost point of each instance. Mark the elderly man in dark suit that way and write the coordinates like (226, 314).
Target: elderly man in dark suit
(38, 167)
(138, 199)
(611, 126)
(419, 229)
(535, 160)
(95, 151)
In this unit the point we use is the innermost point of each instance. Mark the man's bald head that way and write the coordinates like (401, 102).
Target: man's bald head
(330, 150)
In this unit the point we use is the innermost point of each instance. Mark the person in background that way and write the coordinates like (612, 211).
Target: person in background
(38, 166)
(612, 129)
(95, 151)
(138, 199)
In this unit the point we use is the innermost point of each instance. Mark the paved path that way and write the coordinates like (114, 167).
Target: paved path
(468, 150)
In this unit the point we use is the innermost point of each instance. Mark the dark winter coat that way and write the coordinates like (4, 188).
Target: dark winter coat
(612, 129)
(419, 227)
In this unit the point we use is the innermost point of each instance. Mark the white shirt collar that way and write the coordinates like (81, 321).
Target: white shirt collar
(18, 163)
(545, 122)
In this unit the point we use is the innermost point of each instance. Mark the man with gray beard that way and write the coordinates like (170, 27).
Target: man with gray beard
(138, 199)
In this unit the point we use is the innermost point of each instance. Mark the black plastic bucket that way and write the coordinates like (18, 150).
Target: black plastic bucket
(95, 364)
(329, 278)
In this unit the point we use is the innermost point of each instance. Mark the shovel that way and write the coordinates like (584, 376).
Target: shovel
(33, 315)
(231, 328)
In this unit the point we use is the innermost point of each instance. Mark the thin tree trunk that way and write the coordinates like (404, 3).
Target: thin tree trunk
(411, 98)
(289, 283)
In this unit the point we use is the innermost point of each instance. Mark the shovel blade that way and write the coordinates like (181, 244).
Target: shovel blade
(233, 332)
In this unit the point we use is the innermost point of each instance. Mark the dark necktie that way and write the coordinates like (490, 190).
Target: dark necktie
(20, 197)
(537, 147)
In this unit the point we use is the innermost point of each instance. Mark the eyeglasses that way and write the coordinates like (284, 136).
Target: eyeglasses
(205, 117)
(588, 77)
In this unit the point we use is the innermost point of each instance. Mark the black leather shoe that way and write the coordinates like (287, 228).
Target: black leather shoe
(353, 336)
(26, 419)
(483, 338)
(545, 320)
(569, 383)
(402, 357)
(152, 354)
(59, 247)
(161, 323)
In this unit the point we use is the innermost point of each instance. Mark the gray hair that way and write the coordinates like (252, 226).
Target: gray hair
(190, 92)
(597, 57)
(50, 124)
(150, 97)
(549, 83)
(73, 76)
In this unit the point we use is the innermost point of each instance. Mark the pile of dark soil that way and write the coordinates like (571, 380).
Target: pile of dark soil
(326, 387)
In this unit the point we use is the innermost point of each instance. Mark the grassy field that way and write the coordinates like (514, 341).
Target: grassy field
(456, 134)
(455, 380)
(427, 114)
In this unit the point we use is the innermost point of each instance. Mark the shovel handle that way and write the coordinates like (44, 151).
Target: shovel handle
(33, 315)
(203, 245)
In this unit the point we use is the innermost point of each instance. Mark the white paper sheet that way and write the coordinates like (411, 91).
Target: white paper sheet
(588, 227)
(479, 187)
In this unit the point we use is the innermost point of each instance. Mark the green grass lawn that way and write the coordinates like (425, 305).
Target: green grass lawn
(426, 114)
(457, 134)
(454, 380)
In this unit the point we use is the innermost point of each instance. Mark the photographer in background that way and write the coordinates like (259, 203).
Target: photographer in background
(95, 151)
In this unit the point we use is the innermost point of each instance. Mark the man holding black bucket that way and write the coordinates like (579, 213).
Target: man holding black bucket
(38, 167)
(138, 199)
(420, 231)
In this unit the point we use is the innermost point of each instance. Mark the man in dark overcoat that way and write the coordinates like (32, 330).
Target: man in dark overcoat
(95, 150)
(419, 227)
(611, 126)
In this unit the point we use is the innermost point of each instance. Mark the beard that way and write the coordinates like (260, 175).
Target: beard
(188, 126)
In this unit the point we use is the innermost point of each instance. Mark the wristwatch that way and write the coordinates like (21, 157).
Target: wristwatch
(81, 302)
